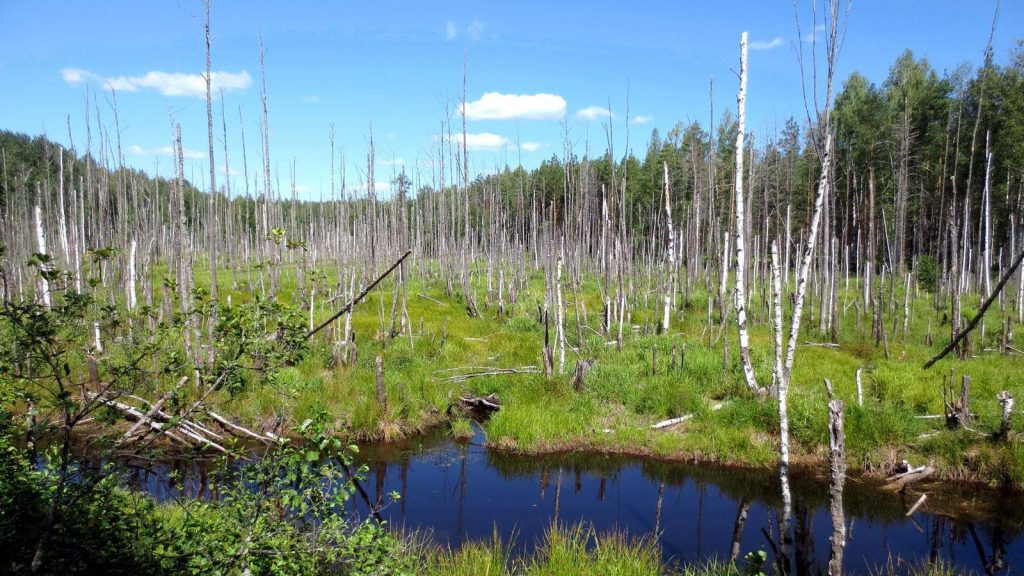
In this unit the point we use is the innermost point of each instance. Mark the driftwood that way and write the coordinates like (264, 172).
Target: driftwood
(438, 302)
(901, 480)
(917, 505)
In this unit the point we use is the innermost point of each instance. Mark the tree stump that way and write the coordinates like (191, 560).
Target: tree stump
(582, 367)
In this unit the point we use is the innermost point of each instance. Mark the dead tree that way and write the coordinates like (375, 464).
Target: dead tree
(741, 239)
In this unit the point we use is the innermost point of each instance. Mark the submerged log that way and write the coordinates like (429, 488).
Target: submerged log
(901, 480)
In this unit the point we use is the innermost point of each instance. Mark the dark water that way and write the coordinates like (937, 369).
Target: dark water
(464, 491)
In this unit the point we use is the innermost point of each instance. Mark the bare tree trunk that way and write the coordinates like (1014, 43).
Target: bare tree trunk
(741, 240)
(44, 284)
(131, 277)
(837, 477)
(986, 204)
(670, 285)
(212, 234)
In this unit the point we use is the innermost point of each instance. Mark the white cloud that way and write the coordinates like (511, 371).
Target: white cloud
(485, 141)
(498, 106)
(642, 119)
(475, 30)
(594, 112)
(166, 83)
(809, 37)
(76, 75)
(312, 98)
(394, 162)
(164, 151)
(450, 31)
(767, 44)
(530, 146)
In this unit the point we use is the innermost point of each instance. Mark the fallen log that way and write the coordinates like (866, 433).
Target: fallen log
(493, 372)
(237, 430)
(438, 302)
(831, 345)
(191, 437)
(901, 480)
(674, 421)
(153, 410)
(482, 404)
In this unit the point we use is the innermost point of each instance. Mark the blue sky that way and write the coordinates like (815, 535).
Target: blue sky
(536, 71)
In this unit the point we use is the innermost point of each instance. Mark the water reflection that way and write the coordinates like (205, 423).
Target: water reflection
(464, 491)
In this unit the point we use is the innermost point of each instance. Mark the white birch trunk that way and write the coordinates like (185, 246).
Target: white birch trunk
(782, 389)
(805, 265)
(741, 240)
(44, 285)
(131, 277)
(670, 287)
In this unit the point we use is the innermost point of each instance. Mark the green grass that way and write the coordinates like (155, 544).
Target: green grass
(564, 551)
(622, 398)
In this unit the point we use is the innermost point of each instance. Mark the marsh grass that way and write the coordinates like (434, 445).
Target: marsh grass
(622, 397)
(564, 551)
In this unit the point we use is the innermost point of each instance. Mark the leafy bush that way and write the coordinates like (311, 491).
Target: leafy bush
(928, 273)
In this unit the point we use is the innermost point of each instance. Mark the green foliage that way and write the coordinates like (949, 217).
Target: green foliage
(928, 272)
(284, 514)
(107, 531)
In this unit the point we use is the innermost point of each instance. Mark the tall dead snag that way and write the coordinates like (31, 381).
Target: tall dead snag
(741, 238)
(560, 318)
(837, 477)
(670, 285)
(212, 224)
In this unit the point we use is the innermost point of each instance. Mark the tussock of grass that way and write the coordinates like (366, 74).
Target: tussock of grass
(564, 551)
